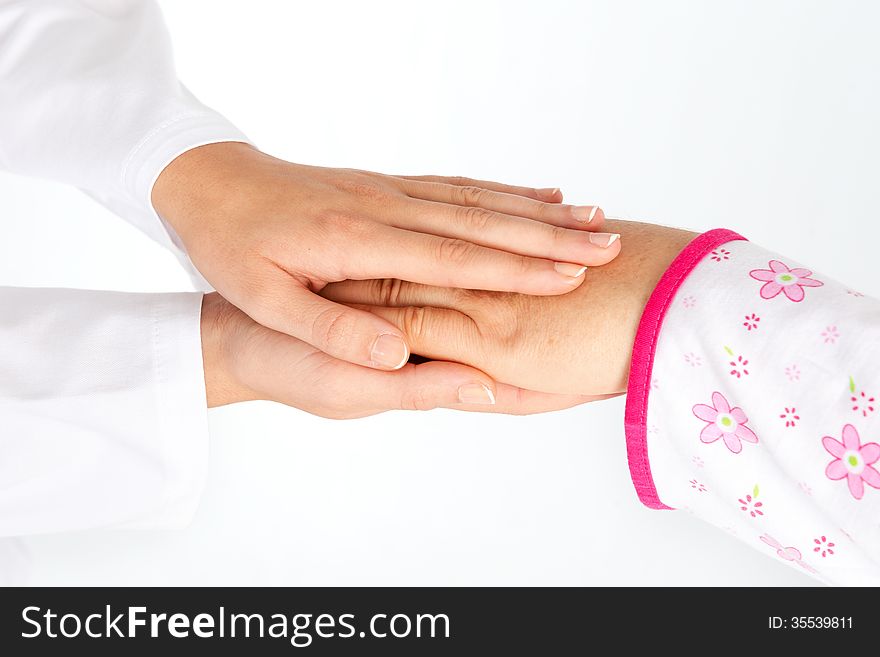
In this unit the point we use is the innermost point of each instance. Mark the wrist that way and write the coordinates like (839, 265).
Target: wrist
(200, 183)
(222, 326)
(613, 300)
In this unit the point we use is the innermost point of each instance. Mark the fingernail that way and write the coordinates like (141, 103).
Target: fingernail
(475, 393)
(548, 191)
(389, 351)
(604, 240)
(585, 213)
(568, 269)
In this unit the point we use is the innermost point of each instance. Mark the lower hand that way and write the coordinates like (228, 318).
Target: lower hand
(576, 344)
(245, 361)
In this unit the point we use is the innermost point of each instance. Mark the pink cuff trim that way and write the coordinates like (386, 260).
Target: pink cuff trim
(642, 364)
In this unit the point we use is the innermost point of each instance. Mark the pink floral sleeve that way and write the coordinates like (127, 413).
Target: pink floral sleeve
(752, 404)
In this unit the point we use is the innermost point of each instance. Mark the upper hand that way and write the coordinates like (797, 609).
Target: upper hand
(268, 234)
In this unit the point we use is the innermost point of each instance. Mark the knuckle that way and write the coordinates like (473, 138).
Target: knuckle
(500, 320)
(414, 320)
(455, 251)
(541, 210)
(460, 181)
(556, 236)
(475, 218)
(387, 291)
(521, 266)
(332, 329)
(470, 194)
(417, 399)
(362, 186)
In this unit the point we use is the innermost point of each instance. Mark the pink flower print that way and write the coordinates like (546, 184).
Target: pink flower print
(793, 373)
(823, 546)
(852, 461)
(787, 553)
(861, 401)
(689, 301)
(738, 364)
(790, 416)
(697, 486)
(720, 254)
(698, 461)
(751, 321)
(739, 367)
(751, 506)
(779, 278)
(725, 422)
(830, 334)
(692, 359)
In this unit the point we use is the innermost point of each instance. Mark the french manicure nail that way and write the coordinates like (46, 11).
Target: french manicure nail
(548, 191)
(604, 240)
(568, 269)
(585, 213)
(389, 351)
(475, 393)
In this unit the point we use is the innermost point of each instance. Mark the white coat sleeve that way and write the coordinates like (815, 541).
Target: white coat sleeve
(103, 418)
(89, 96)
(752, 404)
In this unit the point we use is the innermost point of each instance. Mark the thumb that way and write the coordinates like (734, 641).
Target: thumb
(347, 334)
(436, 333)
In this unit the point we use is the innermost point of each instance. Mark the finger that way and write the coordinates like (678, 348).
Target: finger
(588, 217)
(357, 392)
(507, 232)
(295, 374)
(389, 252)
(546, 194)
(435, 333)
(448, 335)
(421, 387)
(392, 292)
(344, 333)
(512, 400)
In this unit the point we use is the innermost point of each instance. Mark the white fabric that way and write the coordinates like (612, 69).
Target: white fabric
(89, 96)
(102, 403)
(102, 397)
(799, 356)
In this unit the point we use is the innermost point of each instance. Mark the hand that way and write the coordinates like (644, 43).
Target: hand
(244, 360)
(579, 343)
(268, 234)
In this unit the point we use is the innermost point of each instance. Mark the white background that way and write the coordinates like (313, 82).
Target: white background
(758, 116)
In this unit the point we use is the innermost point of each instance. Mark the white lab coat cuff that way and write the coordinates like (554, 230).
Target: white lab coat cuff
(181, 402)
(168, 140)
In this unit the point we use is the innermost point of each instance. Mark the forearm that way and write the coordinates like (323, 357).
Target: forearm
(752, 394)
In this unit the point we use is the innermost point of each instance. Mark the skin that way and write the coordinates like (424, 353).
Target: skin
(270, 234)
(552, 352)
(576, 344)
(244, 360)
